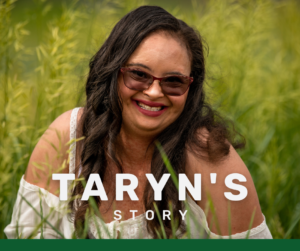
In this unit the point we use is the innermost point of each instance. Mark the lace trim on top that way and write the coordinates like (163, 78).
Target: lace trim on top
(73, 128)
(128, 229)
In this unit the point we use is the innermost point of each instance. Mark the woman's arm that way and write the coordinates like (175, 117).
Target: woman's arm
(50, 155)
(240, 211)
(33, 199)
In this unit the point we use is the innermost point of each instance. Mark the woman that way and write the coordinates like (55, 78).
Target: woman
(145, 85)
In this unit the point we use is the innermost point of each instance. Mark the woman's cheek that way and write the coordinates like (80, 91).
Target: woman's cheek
(178, 104)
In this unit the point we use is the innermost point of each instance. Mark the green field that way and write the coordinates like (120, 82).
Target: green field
(253, 78)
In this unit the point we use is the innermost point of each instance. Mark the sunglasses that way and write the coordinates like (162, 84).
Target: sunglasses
(175, 85)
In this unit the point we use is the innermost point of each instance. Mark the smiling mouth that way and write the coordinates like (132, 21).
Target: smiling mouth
(150, 108)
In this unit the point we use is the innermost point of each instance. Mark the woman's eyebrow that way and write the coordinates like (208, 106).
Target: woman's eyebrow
(174, 73)
(146, 67)
(141, 65)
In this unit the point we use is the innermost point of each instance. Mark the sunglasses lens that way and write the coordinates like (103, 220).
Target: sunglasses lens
(175, 85)
(137, 80)
(140, 81)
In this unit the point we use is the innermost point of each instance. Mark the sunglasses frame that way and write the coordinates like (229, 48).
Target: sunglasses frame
(124, 69)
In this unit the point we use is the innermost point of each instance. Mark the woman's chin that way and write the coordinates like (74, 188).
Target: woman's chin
(150, 128)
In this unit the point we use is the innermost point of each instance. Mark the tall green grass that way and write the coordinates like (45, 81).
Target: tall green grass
(253, 79)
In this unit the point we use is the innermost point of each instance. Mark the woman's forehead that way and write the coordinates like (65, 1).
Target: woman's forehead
(161, 52)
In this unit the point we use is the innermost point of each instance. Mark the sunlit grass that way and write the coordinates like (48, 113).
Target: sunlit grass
(253, 79)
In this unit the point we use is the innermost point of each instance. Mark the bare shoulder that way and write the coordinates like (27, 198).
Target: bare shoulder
(50, 154)
(240, 211)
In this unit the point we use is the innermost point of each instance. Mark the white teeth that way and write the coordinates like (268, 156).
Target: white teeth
(149, 108)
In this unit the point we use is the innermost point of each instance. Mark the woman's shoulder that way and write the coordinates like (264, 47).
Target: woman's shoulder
(198, 160)
(50, 154)
(241, 211)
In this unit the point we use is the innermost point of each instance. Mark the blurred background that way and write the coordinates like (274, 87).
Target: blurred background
(253, 79)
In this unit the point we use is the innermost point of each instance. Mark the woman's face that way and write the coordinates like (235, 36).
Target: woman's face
(160, 55)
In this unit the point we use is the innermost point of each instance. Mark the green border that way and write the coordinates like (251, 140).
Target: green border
(144, 245)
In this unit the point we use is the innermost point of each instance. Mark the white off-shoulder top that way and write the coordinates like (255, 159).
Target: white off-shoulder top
(34, 204)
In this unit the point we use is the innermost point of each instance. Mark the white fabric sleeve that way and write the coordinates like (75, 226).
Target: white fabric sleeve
(26, 218)
(199, 219)
(260, 232)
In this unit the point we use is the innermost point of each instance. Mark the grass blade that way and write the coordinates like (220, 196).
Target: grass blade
(160, 221)
(54, 228)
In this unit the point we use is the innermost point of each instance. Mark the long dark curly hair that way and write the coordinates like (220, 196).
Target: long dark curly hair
(101, 120)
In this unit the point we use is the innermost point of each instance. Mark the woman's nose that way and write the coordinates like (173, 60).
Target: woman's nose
(154, 90)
